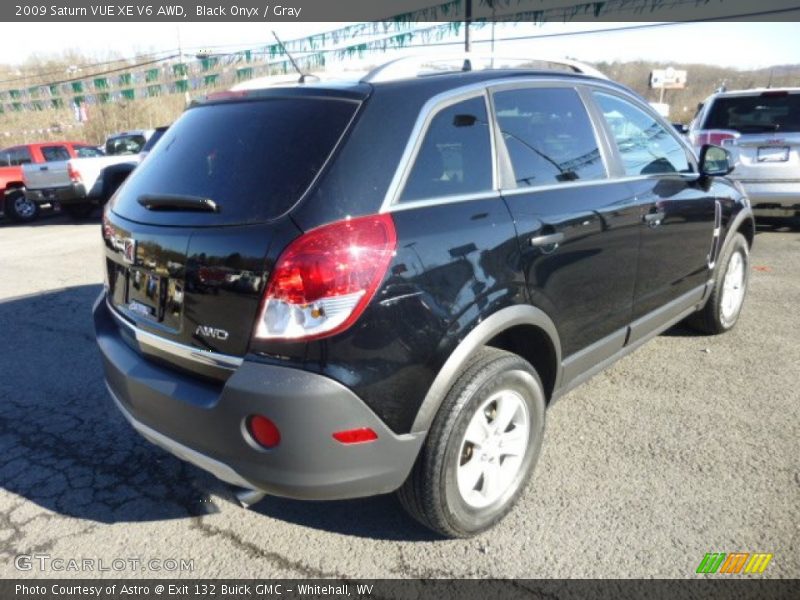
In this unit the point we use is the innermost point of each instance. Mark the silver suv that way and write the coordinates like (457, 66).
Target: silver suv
(761, 129)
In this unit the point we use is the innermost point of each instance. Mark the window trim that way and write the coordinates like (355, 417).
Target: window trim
(584, 86)
(508, 168)
(430, 110)
(645, 108)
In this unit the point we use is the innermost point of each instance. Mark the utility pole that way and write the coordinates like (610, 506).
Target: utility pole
(467, 21)
(186, 97)
(491, 4)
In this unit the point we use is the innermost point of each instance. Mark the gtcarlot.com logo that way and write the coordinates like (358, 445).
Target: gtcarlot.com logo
(46, 562)
(734, 562)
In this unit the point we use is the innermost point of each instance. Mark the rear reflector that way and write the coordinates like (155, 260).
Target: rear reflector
(356, 436)
(263, 431)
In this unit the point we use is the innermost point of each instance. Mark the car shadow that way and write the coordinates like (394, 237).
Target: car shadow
(379, 517)
(65, 446)
(49, 219)
(681, 330)
(776, 225)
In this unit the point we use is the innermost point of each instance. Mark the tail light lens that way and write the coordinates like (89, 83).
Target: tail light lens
(325, 279)
(717, 137)
(108, 229)
(73, 173)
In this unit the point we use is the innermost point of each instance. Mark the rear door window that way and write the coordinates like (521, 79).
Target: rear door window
(768, 112)
(645, 146)
(455, 157)
(255, 159)
(54, 153)
(19, 156)
(548, 135)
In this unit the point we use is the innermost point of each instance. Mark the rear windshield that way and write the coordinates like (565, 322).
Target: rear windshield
(768, 112)
(254, 159)
(125, 144)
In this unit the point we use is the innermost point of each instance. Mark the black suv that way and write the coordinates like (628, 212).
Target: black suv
(335, 290)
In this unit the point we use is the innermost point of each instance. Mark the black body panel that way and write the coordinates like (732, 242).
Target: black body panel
(585, 282)
(676, 240)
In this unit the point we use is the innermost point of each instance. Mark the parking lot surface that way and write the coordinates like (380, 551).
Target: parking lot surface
(690, 445)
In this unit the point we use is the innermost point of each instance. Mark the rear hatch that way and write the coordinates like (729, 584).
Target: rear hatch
(768, 123)
(187, 236)
(42, 176)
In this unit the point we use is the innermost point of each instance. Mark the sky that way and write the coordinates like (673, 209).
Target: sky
(729, 44)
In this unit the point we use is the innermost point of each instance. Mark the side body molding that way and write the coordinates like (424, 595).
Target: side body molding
(498, 322)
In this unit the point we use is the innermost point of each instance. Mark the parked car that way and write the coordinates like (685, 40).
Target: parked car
(127, 142)
(81, 184)
(115, 175)
(431, 262)
(15, 205)
(761, 129)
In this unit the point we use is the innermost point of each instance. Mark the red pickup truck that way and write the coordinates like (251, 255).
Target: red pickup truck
(12, 190)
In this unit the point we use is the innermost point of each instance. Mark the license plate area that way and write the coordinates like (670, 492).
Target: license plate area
(773, 153)
(146, 293)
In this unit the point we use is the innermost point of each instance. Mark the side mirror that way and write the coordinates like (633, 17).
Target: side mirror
(715, 161)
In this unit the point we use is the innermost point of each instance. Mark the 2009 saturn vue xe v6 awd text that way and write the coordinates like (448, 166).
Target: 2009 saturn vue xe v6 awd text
(333, 290)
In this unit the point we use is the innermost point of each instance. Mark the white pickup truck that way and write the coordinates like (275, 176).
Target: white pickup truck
(78, 185)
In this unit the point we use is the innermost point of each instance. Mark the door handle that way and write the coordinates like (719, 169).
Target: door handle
(550, 239)
(653, 219)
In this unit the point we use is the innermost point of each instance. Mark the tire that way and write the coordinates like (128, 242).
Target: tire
(79, 212)
(439, 492)
(19, 208)
(731, 277)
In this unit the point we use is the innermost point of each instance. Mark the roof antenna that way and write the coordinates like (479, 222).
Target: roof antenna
(303, 76)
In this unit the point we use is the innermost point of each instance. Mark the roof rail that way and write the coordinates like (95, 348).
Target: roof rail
(415, 65)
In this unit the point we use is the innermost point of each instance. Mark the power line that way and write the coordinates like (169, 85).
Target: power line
(261, 48)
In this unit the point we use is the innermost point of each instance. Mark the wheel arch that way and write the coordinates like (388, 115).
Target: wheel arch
(506, 329)
(744, 222)
(747, 227)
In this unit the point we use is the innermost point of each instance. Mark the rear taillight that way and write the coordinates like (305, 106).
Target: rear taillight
(717, 137)
(73, 173)
(108, 229)
(325, 279)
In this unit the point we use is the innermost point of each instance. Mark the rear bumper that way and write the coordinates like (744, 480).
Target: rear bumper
(72, 194)
(204, 423)
(773, 198)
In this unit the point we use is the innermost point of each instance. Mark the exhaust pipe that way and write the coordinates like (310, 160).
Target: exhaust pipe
(248, 498)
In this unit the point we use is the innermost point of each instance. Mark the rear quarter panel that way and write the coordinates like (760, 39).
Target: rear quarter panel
(455, 264)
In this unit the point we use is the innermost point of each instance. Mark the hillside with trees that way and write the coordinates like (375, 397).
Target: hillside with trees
(59, 122)
(702, 80)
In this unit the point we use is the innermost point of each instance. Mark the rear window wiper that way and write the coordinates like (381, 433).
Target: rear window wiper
(177, 202)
